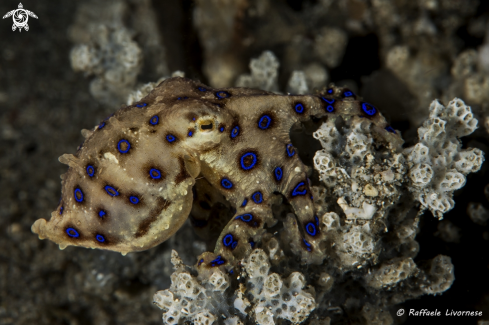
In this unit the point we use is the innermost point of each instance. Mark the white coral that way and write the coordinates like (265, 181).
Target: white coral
(438, 164)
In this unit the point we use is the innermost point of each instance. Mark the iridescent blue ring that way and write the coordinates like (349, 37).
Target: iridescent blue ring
(155, 173)
(100, 238)
(119, 146)
(329, 108)
(190, 133)
(134, 199)
(296, 190)
(264, 119)
(311, 229)
(308, 246)
(348, 93)
(72, 232)
(101, 125)
(226, 183)
(111, 191)
(278, 173)
(234, 132)
(247, 217)
(170, 138)
(154, 120)
(227, 240)
(78, 194)
(290, 150)
(257, 197)
(201, 89)
(61, 209)
(245, 202)
(102, 213)
(299, 108)
(221, 129)
(234, 244)
(90, 170)
(253, 163)
(222, 94)
(142, 105)
(390, 129)
(329, 91)
(368, 109)
(218, 261)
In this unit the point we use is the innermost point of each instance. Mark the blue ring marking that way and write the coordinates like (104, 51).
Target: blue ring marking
(245, 202)
(278, 172)
(154, 120)
(227, 240)
(308, 246)
(134, 199)
(247, 217)
(218, 261)
(202, 89)
(111, 191)
(72, 232)
(142, 105)
(155, 173)
(290, 150)
(179, 98)
(390, 129)
(170, 138)
(234, 244)
(329, 108)
(329, 91)
(268, 122)
(234, 132)
(201, 261)
(317, 221)
(311, 229)
(102, 213)
(221, 129)
(348, 93)
(61, 210)
(257, 197)
(90, 170)
(76, 193)
(226, 183)
(296, 191)
(190, 133)
(299, 108)
(100, 238)
(368, 109)
(222, 94)
(231, 272)
(119, 146)
(253, 163)
(252, 243)
(101, 125)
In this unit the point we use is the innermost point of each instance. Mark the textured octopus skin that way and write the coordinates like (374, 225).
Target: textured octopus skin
(129, 186)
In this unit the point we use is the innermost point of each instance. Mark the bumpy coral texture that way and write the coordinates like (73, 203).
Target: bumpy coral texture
(438, 164)
(263, 297)
(129, 186)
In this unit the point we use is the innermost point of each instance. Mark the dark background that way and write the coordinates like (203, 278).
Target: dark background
(43, 107)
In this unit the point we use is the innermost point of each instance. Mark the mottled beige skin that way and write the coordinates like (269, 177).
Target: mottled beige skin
(209, 152)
